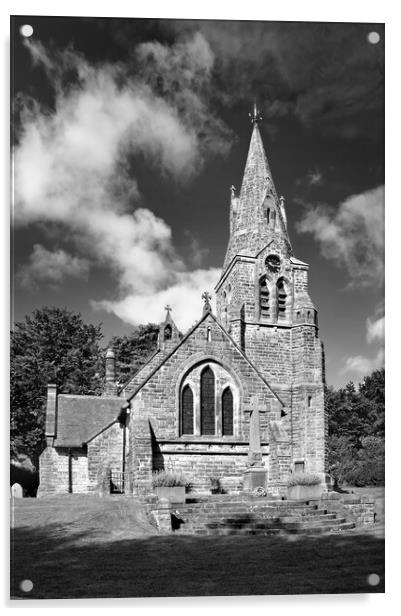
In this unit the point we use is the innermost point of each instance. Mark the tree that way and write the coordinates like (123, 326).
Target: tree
(342, 458)
(356, 431)
(132, 351)
(373, 391)
(52, 345)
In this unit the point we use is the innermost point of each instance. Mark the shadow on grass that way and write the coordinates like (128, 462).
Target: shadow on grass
(65, 563)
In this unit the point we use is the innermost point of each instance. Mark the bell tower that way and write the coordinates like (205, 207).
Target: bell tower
(263, 302)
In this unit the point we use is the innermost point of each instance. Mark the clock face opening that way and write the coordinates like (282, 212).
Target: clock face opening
(273, 263)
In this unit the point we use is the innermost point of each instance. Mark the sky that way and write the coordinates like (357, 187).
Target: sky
(128, 133)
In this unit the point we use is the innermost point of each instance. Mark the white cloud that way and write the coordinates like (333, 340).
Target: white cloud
(74, 167)
(363, 366)
(352, 236)
(360, 364)
(315, 178)
(184, 295)
(51, 268)
(375, 330)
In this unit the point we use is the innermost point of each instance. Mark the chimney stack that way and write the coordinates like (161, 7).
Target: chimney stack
(110, 381)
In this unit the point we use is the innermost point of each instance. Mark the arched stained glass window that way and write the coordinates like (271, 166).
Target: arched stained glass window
(207, 402)
(227, 412)
(187, 411)
(264, 299)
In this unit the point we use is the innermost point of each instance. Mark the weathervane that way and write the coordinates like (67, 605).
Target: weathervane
(255, 115)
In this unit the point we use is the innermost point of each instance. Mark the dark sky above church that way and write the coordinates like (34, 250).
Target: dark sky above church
(128, 134)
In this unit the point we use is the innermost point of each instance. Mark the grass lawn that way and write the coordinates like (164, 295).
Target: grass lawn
(84, 546)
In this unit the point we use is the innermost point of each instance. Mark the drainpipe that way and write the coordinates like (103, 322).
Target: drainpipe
(292, 432)
(69, 471)
(126, 408)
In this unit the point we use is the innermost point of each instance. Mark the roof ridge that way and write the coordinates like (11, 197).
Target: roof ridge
(189, 332)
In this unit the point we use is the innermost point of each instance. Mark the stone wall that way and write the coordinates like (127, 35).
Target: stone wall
(54, 471)
(105, 452)
(287, 352)
(158, 403)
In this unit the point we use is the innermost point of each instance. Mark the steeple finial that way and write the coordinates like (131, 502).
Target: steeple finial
(168, 308)
(255, 115)
(206, 307)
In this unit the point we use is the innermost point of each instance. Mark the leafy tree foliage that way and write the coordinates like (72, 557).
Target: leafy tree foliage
(52, 345)
(356, 431)
(133, 350)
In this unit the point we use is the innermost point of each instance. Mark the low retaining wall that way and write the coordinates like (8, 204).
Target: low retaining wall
(361, 509)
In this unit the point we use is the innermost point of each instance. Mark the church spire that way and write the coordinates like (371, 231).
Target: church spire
(256, 215)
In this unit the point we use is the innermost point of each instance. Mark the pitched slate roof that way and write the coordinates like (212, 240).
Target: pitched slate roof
(80, 418)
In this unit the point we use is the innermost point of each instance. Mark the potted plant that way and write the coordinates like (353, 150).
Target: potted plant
(216, 487)
(169, 485)
(304, 486)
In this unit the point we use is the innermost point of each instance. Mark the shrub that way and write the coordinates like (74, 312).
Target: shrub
(165, 479)
(216, 486)
(359, 466)
(304, 479)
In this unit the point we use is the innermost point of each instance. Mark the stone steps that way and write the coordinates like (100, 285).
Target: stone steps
(271, 531)
(248, 516)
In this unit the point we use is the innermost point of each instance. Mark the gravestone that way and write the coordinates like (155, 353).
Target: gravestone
(17, 491)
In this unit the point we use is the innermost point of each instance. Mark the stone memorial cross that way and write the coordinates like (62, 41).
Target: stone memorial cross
(255, 449)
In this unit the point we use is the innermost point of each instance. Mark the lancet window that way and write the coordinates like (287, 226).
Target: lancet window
(264, 299)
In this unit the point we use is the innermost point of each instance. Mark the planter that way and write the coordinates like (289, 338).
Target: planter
(174, 494)
(305, 492)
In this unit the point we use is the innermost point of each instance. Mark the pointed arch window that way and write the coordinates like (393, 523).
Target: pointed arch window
(264, 299)
(187, 411)
(207, 401)
(281, 299)
(168, 332)
(273, 218)
(227, 409)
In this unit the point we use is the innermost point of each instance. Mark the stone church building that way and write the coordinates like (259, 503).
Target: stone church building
(189, 408)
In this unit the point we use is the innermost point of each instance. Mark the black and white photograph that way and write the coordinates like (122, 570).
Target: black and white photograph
(197, 377)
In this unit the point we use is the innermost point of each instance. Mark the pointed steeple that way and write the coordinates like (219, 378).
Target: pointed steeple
(257, 177)
(256, 215)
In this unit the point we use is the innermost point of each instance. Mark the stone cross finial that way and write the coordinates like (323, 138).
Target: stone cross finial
(255, 115)
(168, 308)
(206, 297)
(233, 189)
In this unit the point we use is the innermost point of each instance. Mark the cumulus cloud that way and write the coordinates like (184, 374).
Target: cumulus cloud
(74, 165)
(352, 236)
(315, 177)
(375, 330)
(51, 268)
(323, 74)
(363, 366)
(184, 295)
